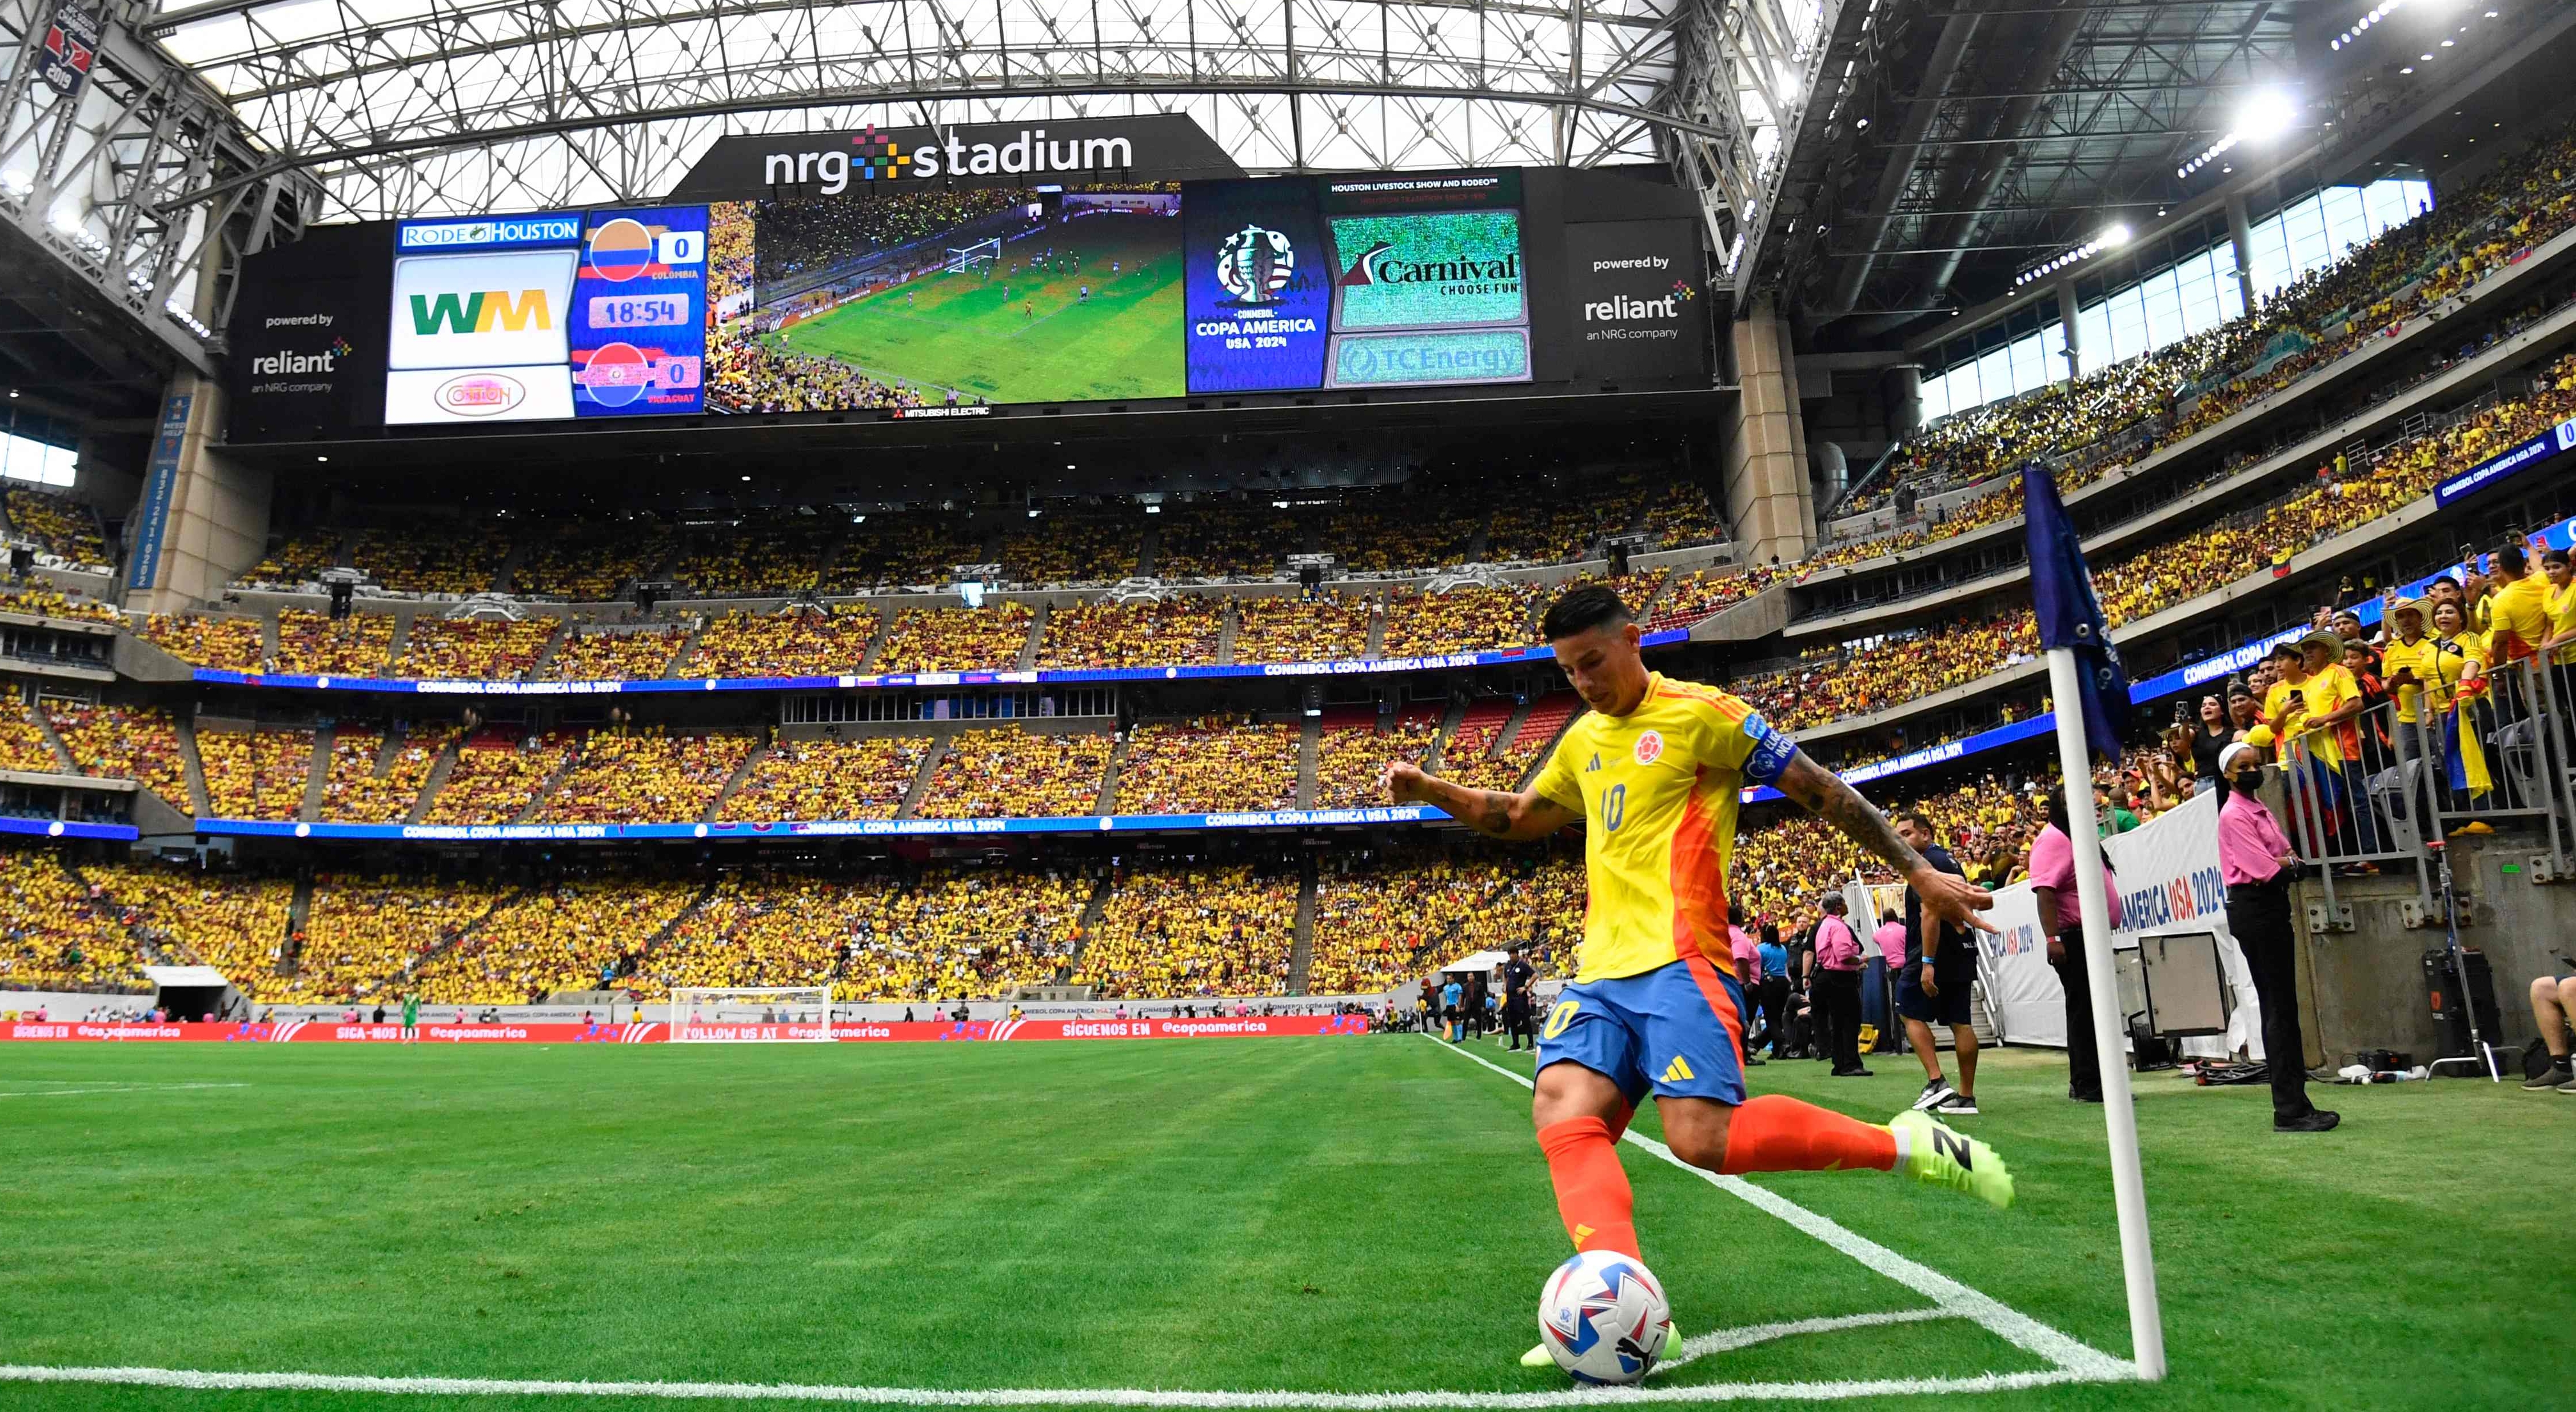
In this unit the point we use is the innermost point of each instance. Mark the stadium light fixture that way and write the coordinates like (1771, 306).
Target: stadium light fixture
(2112, 237)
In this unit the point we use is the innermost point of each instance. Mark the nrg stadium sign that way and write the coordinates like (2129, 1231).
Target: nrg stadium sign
(1154, 147)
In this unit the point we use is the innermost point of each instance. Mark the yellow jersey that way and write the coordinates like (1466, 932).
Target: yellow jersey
(2321, 692)
(2520, 614)
(1658, 790)
(2424, 655)
(2562, 620)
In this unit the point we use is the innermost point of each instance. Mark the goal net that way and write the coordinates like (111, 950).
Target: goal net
(982, 252)
(751, 1015)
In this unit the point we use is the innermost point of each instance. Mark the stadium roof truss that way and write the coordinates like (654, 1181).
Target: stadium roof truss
(446, 106)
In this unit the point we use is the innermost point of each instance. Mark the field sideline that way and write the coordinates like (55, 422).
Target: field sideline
(1331, 1216)
(1044, 342)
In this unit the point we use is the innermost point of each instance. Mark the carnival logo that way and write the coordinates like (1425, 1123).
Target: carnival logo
(1254, 265)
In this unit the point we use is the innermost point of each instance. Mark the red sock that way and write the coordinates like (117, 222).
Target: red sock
(1779, 1134)
(1591, 1187)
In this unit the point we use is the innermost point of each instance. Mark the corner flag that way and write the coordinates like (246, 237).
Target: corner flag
(2084, 666)
(2070, 614)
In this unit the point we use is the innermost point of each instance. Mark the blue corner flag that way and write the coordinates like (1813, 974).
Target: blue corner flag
(2070, 615)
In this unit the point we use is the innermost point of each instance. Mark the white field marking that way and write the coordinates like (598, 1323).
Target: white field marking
(112, 1088)
(1046, 1397)
(2087, 1363)
(1728, 1340)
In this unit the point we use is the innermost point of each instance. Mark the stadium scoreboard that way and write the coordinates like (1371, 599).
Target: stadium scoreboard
(928, 299)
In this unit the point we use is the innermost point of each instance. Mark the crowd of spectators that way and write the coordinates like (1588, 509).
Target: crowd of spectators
(1392, 531)
(138, 743)
(810, 234)
(798, 642)
(915, 547)
(472, 649)
(362, 933)
(22, 742)
(354, 793)
(1351, 755)
(1701, 592)
(1073, 546)
(37, 598)
(498, 775)
(1381, 918)
(1208, 765)
(1210, 539)
(321, 645)
(1468, 618)
(1193, 929)
(1331, 627)
(643, 775)
(732, 250)
(255, 774)
(745, 376)
(990, 638)
(297, 559)
(56, 932)
(2122, 414)
(591, 561)
(228, 644)
(828, 778)
(1014, 772)
(758, 558)
(609, 654)
(1178, 630)
(63, 527)
(234, 922)
(549, 939)
(457, 559)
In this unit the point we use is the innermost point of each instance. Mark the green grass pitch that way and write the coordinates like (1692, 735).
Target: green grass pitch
(1331, 1215)
(1044, 342)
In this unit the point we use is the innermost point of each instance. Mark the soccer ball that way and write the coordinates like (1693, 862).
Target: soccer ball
(1603, 1317)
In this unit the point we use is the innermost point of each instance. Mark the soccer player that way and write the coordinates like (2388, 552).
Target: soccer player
(411, 1019)
(1653, 772)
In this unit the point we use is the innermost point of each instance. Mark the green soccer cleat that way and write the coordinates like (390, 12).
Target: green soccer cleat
(1939, 1155)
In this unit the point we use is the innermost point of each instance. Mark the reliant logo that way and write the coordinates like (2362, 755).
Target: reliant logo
(1627, 307)
(480, 312)
(878, 157)
(1381, 264)
(490, 230)
(269, 365)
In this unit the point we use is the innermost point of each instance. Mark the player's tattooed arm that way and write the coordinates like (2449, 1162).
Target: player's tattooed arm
(1830, 797)
(1489, 811)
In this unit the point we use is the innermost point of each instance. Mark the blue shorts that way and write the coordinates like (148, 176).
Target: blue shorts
(1674, 1030)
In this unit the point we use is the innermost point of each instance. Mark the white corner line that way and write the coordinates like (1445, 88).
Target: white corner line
(110, 1088)
(2085, 1362)
(196, 1381)
(1728, 1340)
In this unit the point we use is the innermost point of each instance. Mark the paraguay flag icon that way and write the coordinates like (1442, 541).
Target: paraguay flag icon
(621, 250)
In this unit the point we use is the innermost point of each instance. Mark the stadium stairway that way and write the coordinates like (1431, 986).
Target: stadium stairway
(868, 663)
(1450, 720)
(267, 641)
(400, 642)
(1109, 777)
(1150, 548)
(1302, 955)
(1028, 658)
(546, 655)
(536, 805)
(317, 771)
(439, 770)
(1377, 631)
(751, 759)
(446, 943)
(1644, 607)
(506, 577)
(930, 758)
(633, 961)
(1089, 926)
(63, 753)
(688, 648)
(195, 768)
(1228, 619)
(1309, 738)
(299, 909)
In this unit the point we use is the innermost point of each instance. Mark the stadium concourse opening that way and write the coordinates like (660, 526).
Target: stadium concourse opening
(987, 687)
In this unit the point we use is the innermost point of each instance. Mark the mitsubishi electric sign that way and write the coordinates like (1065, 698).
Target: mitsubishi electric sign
(1154, 147)
(1639, 310)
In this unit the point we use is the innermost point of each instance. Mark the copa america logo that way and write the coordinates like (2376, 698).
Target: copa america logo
(1254, 265)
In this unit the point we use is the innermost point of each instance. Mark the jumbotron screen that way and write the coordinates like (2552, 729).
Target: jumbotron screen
(935, 300)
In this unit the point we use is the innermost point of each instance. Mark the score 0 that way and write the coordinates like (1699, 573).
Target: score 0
(680, 247)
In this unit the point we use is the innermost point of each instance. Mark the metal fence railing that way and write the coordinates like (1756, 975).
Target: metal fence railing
(2375, 789)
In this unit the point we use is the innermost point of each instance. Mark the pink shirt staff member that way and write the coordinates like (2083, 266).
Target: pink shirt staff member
(2255, 860)
(2061, 920)
(1837, 989)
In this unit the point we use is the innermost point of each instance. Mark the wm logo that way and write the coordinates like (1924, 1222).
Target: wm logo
(480, 312)
(1676, 1071)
